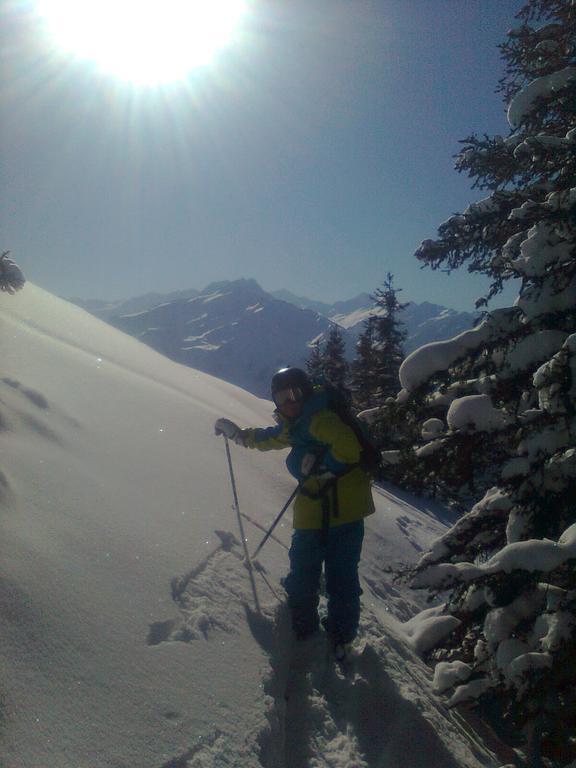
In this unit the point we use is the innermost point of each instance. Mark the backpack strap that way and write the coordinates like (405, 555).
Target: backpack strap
(328, 496)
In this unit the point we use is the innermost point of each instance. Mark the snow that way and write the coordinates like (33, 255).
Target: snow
(494, 504)
(536, 301)
(432, 428)
(447, 674)
(469, 692)
(555, 630)
(430, 448)
(539, 555)
(531, 350)
(357, 317)
(391, 457)
(130, 632)
(540, 250)
(518, 668)
(515, 658)
(438, 356)
(475, 412)
(564, 199)
(211, 297)
(430, 626)
(527, 209)
(543, 87)
(482, 207)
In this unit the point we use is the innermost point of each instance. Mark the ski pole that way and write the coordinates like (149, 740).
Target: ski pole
(241, 525)
(316, 464)
(276, 521)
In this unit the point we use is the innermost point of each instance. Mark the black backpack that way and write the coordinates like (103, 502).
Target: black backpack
(340, 401)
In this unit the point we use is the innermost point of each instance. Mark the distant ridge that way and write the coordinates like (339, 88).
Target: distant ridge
(241, 333)
(233, 330)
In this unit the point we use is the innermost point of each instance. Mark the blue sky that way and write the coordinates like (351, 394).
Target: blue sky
(313, 154)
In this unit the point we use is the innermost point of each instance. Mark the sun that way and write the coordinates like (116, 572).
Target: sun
(143, 41)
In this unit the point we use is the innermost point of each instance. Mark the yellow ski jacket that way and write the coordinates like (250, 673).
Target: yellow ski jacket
(339, 489)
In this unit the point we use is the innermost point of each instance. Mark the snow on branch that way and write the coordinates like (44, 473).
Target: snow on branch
(493, 507)
(542, 249)
(533, 556)
(541, 88)
(476, 412)
(537, 300)
(423, 363)
(425, 630)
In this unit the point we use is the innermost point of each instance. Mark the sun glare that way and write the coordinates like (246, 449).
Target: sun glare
(143, 41)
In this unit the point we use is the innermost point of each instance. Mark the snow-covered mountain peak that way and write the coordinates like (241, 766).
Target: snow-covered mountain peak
(233, 330)
(226, 286)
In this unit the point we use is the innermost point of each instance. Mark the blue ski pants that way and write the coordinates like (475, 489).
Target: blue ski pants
(338, 549)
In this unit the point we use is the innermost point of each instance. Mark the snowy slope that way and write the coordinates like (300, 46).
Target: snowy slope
(130, 634)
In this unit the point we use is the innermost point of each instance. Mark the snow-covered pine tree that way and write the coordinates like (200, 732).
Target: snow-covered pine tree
(460, 393)
(335, 365)
(509, 564)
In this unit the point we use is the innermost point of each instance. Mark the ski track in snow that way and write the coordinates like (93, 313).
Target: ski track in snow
(319, 714)
(405, 524)
(323, 716)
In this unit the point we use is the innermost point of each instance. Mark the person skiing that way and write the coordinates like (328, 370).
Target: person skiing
(11, 277)
(334, 497)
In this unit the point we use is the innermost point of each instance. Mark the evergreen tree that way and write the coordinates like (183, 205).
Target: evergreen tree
(375, 380)
(315, 361)
(334, 362)
(388, 339)
(363, 369)
(508, 387)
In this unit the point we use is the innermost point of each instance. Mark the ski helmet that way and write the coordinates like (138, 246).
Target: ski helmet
(291, 378)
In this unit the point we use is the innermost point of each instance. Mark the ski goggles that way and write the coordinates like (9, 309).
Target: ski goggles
(291, 395)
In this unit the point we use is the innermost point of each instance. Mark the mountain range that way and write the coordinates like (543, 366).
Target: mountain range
(240, 333)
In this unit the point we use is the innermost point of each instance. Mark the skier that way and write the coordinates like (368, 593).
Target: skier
(11, 277)
(334, 496)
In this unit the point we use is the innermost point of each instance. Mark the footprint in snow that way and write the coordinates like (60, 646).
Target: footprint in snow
(210, 597)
